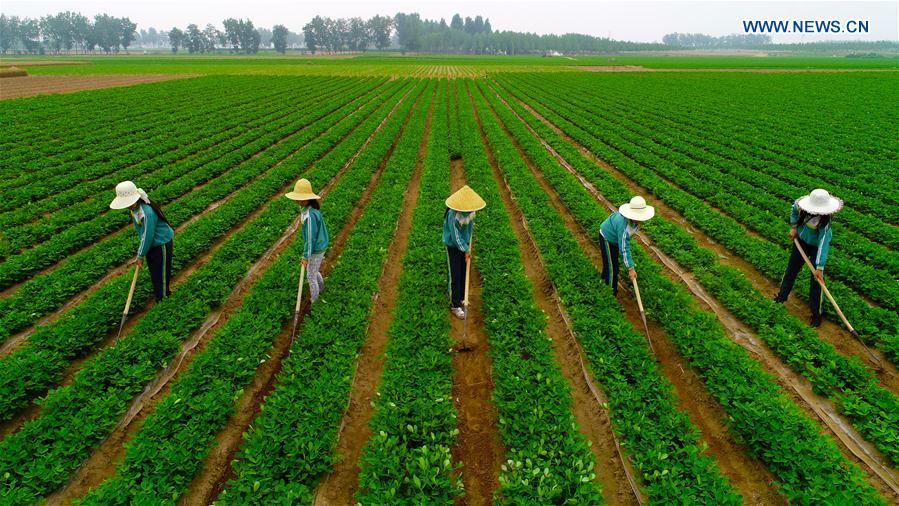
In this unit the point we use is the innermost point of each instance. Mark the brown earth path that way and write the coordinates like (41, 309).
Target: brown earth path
(851, 443)
(620, 482)
(746, 474)
(339, 486)
(839, 338)
(479, 448)
(16, 340)
(216, 469)
(104, 459)
(28, 86)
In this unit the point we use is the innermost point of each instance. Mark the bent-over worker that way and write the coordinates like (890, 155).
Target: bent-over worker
(458, 225)
(315, 235)
(810, 216)
(615, 236)
(155, 233)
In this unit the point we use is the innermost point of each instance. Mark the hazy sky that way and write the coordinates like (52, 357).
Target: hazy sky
(634, 20)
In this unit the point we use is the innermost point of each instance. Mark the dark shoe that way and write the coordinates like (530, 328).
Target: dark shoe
(778, 299)
(815, 321)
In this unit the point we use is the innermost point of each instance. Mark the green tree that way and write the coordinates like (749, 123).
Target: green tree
(279, 38)
(379, 29)
(194, 41)
(408, 31)
(176, 39)
(128, 29)
(9, 32)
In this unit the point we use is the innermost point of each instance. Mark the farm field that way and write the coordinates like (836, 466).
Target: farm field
(558, 396)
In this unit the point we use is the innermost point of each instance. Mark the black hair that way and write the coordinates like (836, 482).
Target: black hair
(804, 216)
(313, 203)
(158, 211)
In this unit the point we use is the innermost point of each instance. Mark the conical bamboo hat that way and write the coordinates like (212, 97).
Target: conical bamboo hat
(465, 200)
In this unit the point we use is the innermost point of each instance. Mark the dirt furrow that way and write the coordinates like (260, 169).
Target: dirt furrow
(839, 338)
(853, 445)
(620, 483)
(20, 337)
(217, 470)
(339, 486)
(104, 459)
(479, 447)
(747, 475)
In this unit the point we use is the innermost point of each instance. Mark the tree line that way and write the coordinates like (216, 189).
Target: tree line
(66, 31)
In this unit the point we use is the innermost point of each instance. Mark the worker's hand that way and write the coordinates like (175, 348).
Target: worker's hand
(468, 256)
(139, 262)
(633, 273)
(305, 262)
(819, 275)
(793, 233)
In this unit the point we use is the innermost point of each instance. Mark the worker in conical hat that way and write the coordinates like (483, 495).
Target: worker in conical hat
(154, 231)
(458, 223)
(810, 217)
(315, 235)
(615, 237)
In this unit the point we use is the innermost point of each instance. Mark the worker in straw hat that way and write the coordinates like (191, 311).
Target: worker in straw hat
(458, 225)
(315, 235)
(615, 236)
(155, 235)
(810, 217)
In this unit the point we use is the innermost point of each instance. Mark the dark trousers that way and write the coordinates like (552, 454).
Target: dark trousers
(793, 267)
(159, 261)
(610, 258)
(455, 261)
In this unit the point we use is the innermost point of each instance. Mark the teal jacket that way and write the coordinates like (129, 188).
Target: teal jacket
(456, 234)
(315, 233)
(150, 229)
(615, 230)
(812, 234)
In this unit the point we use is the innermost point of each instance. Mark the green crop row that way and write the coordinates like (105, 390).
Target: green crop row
(172, 181)
(661, 439)
(103, 158)
(38, 364)
(72, 420)
(32, 151)
(530, 393)
(866, 237)
(307, 404)
(876, 324)
(77, 202)
(789, 176)
(408, 459)
(807, 465)
(46, 292)
(162, 152)
(183, 425)
(733, 197)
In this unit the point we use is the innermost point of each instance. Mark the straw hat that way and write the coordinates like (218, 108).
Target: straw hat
(126, 194)
(820, 202)
(302, 191)
(637, 209)
(465, 200)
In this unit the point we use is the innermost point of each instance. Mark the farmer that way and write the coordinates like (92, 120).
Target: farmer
(154, 232)
(315, 235)
(615, 236)
(458, 224)
(810, 217)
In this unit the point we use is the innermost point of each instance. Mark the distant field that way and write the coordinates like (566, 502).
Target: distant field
(418, 66)
(558, 393)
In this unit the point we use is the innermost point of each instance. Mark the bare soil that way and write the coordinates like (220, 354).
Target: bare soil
(27, 86)
(339, 486)
(479, 447)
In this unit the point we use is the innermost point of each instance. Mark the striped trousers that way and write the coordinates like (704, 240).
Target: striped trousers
(314, 275)
(794, 265)
(159, 262)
